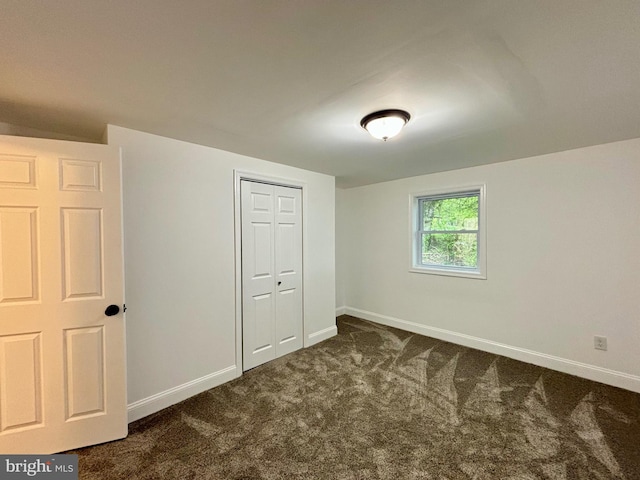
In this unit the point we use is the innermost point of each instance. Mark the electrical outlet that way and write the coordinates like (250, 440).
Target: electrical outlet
(600, 343)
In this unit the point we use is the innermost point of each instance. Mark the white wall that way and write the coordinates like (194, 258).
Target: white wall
(563, 262)
(180, 265)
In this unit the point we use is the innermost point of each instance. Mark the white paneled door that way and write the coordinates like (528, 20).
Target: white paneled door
(62, 364)
(271, 271)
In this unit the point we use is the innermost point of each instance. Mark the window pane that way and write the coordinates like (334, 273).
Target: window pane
(450, 213)
(450, 249)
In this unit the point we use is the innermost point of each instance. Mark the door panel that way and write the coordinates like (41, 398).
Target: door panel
(20, 382)
(85, 371)
(62, 370)
(286, 254)
(17, 171)
(286, 313)
(263, 323)
(262, 250)
(82, 252)
(18, 254)
(80, 175)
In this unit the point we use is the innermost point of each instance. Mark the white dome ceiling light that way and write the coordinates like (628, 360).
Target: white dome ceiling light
(385, 124)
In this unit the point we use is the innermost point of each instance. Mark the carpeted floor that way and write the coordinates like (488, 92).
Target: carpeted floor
(379, 403)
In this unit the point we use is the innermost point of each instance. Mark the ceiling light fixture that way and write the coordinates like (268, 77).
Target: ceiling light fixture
(385, 123)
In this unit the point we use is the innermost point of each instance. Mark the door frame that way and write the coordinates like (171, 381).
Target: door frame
(239, 175)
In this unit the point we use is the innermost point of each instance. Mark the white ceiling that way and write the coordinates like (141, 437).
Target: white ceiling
(289, 80)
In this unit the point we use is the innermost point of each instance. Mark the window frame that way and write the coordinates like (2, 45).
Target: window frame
(480, 272)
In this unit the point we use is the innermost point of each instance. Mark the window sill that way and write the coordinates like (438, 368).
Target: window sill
(449, 272)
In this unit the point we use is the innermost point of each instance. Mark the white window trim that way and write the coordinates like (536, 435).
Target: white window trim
(415, 267)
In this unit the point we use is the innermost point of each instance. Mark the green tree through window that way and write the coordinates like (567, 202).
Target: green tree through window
(448, 230)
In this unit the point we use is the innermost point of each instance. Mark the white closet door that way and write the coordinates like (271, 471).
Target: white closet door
(271, 272)
(62, 364)
(288, 242)
(258, 274)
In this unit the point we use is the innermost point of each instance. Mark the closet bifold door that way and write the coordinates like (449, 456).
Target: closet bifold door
(271, 271)
(288, 248)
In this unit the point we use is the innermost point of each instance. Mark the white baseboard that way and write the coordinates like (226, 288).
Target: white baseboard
(591, 372)
(341, 311)
(318, 337)
(157, 402)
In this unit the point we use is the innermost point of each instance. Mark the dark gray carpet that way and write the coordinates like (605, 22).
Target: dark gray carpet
(379, 403)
